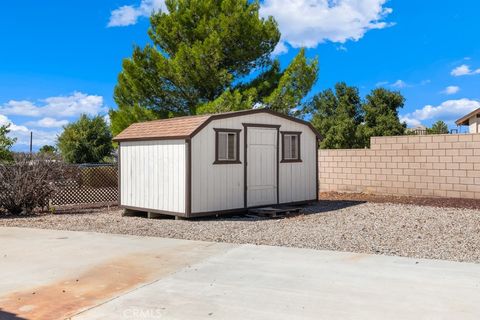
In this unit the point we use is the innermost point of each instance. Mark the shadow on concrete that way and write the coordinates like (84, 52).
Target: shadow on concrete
(4, 315)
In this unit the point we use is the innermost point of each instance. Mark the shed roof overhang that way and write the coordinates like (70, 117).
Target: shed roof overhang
(188, 126)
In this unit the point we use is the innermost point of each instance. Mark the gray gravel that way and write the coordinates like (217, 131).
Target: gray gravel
(382, 228)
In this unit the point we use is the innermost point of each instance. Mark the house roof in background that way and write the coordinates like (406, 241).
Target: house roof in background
(463, 121)
(187, 126)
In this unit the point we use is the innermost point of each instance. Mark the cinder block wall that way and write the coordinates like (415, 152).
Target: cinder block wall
(432, 165)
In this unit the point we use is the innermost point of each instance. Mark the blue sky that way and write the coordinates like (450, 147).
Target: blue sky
(61, 58)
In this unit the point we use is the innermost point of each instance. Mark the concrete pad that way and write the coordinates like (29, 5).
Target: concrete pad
(121, 278)
(47, 274)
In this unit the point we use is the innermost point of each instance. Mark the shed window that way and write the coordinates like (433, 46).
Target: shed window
(227, 146)
(291, 147)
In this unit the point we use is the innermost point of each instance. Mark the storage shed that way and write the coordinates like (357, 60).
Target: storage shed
(211, 164)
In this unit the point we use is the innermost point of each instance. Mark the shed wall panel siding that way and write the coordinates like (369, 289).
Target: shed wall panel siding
(153, 174)
(221, 187)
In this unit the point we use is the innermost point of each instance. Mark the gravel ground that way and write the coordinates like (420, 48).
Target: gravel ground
(378, 228)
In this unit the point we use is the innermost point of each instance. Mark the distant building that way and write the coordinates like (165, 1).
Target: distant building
(420, 130)
(472, 120)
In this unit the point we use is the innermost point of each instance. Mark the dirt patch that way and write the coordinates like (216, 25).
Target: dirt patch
(419, 201)
(67, 297)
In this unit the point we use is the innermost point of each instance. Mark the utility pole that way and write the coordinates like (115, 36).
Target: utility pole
(31, 140)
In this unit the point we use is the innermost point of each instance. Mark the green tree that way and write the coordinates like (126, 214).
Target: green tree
(294, 84)
(6, 144)
(381, 115)
(279, 91)
(345, 121)
(438, 127)
(86, 141)
(47, 149)
(337, 115)
(209, 56)
(124, 116)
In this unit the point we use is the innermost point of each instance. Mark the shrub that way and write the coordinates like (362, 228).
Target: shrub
(88, 140)
(29, 182)
(6, 144)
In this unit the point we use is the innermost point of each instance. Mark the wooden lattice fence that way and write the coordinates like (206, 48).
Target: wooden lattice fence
(88, 184)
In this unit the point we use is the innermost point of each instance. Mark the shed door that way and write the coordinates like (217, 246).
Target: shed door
(261, 166)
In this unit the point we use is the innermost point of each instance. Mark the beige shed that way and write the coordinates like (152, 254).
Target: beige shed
(211, 164)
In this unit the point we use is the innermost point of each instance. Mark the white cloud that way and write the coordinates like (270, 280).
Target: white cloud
(23, 107)
(22, 134)
(307, 23)
(13, 127)
(128, 15)
(410, 121)
(399, 84)
(447, 111)
(451, 90)
(281, 48)
(61, 106)
(123, 16)
(381, 83)
(464, 70)
(52, 114)
(303, 23)
(40, 138)
(106, 118)
(48, 123)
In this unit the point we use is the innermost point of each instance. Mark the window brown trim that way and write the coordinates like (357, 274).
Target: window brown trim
(299, 155)
(237, 147)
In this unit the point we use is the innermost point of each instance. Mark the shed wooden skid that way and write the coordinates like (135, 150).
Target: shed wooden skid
(205, 165)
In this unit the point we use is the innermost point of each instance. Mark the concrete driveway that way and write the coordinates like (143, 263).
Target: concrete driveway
(48, 274)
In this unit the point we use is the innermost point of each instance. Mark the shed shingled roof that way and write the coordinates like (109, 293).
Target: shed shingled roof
(173, 128)
(187, 126)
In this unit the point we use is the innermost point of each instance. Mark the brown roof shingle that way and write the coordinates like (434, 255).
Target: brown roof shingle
(180, 127)
(186, 127)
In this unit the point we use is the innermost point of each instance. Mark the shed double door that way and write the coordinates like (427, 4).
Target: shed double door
(261, 166)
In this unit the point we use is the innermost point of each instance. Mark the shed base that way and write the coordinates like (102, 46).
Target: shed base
(239, 210)
(274, 212)
(130, 213)
(151, 213)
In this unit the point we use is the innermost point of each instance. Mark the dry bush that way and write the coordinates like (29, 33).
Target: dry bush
(29, 182)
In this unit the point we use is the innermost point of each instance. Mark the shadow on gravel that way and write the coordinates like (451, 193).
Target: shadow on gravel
(318, 207)
(60, 211)
(4, 216)
(4, 315)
